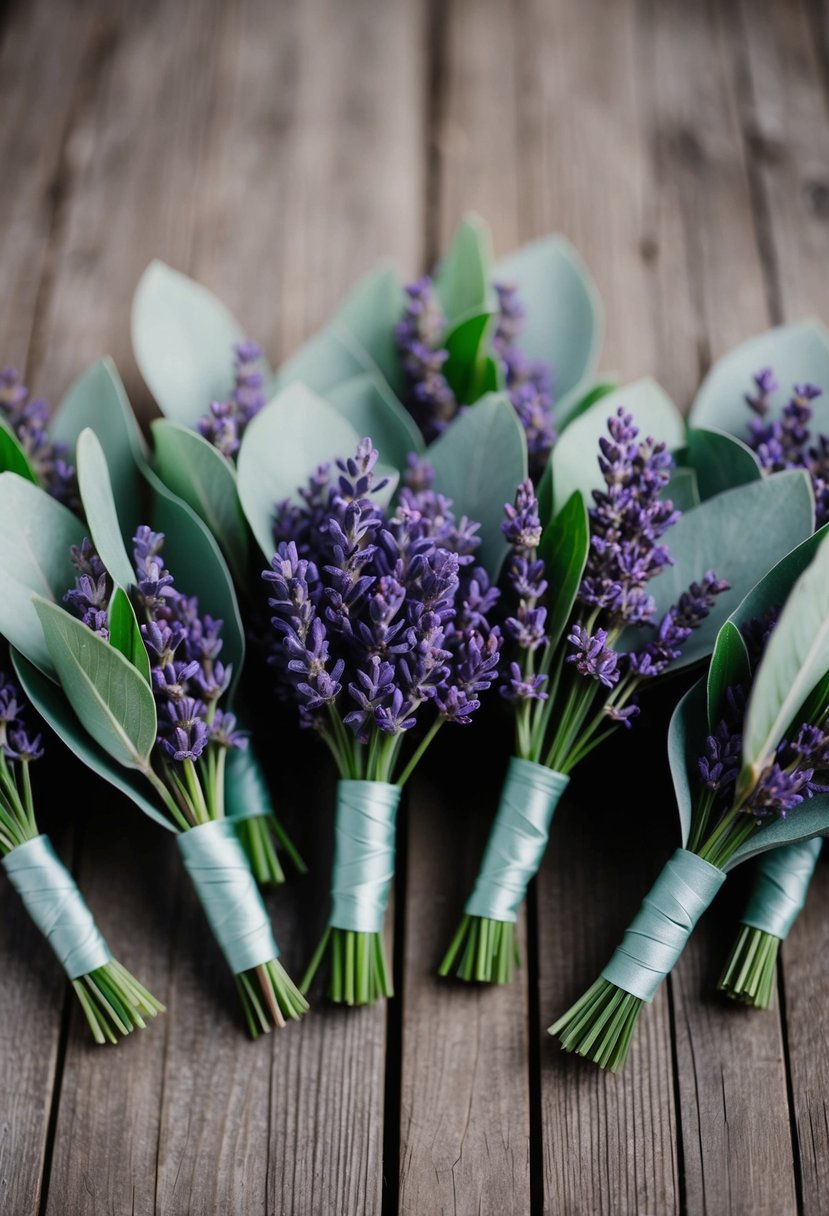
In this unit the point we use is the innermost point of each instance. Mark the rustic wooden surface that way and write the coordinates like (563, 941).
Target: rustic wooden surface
(276, 151)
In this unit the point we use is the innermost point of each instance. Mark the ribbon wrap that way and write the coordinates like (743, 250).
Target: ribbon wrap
(781, 887)
(516, 844)
(56, 906)
(216, 862)
(363, 867)
(660, 929)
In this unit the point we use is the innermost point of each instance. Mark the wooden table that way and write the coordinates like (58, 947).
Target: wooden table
(274, 151)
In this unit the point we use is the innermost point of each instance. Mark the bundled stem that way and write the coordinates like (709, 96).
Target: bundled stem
(263, 838)
(749, 975)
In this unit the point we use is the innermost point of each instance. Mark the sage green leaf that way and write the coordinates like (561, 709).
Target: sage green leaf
(196, 563)
(327, 359)
(683, 489)
(729, 666)
(98, 400)
(565, 544)
(183, 338)
(805, 821)
(369, 405)
(797, 354)
(124, 633)
(50, 702)
(740, 534)
(370, 312)
(720, 461)
(468, 365)
(100, 510)
(111, 698)
(686, 738)
(286, 441)
(463, 279)
(575, 457)
(564, 320)
(201, 476)
(772, 590)
(795, 660)
(36, 535)
(479, 461)
(12, 457)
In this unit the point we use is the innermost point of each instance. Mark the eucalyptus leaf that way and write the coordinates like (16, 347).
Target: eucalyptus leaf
(804, 822)
(325, 361)
(739, 534)
(720, 461)
(98, 400)
(367, 403)
(183, 338)
(729, 666)
(100, 509)
(463, 279)
(466, 367)
(564, 317)
(111, 698)
(200, 475)
(36, 535)
(575, 457)
(565, 544)
(796, 353)
(686, 738)
(479, 462)
(582, 401)
(773, 588)
(125, 634)
(795, 660)
(286, 441)
(50, 702)
(683, 489)
(370, 312)
(12, 457)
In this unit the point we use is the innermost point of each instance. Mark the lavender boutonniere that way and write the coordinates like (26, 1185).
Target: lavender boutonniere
(749, 751)
(114, 1003)
(381, 632)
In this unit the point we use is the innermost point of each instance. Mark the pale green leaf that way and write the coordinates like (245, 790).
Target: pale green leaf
(367, 403)
(463, 279)
(100, 510)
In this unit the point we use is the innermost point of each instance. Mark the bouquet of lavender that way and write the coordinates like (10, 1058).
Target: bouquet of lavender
(601, 607)
(381, 625)
(749, 750)
(777, 898)
(113, 1001)
(140, 697)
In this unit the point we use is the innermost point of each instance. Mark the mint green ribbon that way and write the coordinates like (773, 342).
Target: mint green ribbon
(660, 929)
(781, 886)
(216, 862)
(363, 867)
(516, 844)
(56, 906)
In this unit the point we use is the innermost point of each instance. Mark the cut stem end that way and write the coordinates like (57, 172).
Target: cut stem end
(358, 972)
(484, 951)
(749, 975)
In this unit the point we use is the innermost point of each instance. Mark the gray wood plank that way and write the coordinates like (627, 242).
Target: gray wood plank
(785, 95)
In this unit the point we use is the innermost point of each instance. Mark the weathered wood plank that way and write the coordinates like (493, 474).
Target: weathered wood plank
(785, 95)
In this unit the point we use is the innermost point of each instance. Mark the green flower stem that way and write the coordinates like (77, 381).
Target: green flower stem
(600, 1025)
(418, 755)
(483, 950)
(358, 973)
(751, 971)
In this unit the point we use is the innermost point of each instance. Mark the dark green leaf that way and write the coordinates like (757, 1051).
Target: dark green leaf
(100, 510)
(200, 475)
(36, 534)
(111, 698)
(564, 547)
(575, 458)
(124, 633)
(466, 367)
(479, 461)
(686, 739)
(683, 490)
(368, 404)
(581, 404)
(563, 316)
(50, 702)
(463, 280)
(12, 457)
(294, 434)
(720, 461)
(183, 338)
(729, 666)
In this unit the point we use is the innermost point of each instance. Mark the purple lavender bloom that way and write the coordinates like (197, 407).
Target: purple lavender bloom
(786, 442)
(183, 730)
(225, 733)
(522, 527)
(529, 384)
(720, 762)
(623, 716)
(28, 419)
(593, 657)
(226, 422)
(21, 746)
(765, 385)
(676, 627)
(419, 337)
(518, 687)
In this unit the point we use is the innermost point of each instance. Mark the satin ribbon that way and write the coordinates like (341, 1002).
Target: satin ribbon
(781, 887)
(363, 867)
(660, 929)
(518, 839)
(216, 862)
(56, 906)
